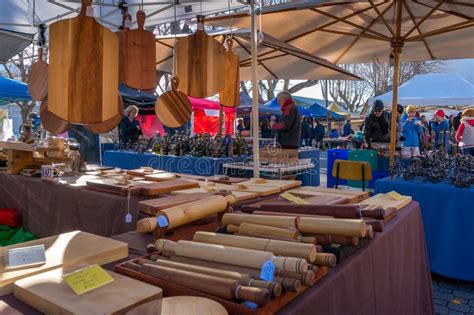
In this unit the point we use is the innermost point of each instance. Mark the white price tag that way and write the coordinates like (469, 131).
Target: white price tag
(128, 218)
(24, 256)
(47, 172)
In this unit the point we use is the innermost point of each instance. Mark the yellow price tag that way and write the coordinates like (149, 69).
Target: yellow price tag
(293, 198)
(87, 279)
(395, 195)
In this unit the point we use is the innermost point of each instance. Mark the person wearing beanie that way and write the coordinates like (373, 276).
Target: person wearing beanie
(377, 125)
(289, 127)
(440, 128)
(465, 132)
(412, 130)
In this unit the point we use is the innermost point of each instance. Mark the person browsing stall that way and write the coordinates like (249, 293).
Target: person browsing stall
(412, 129)
(289, 127)
(465, 132)
(440, 128)
(377, 126)
(129, 128)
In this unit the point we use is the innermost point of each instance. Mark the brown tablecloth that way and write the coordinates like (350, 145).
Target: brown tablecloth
(389, 275)
(50, 209)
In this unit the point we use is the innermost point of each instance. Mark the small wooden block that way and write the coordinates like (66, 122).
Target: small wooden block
(18, 160)
(48, 293)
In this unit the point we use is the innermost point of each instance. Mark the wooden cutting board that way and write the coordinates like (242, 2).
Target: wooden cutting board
(180, 305)
(113, 186)
(51, 122)
(48, 293)
(109, 124)
(160, 188)
(239, 195)
(38, 78)
(260, 190)
(61, 251)
(300, 192)
(199, 61)
(385, 201)
(173, 107)
(308, 191)
(282, 184)
(83, 72)
(230, 94)
(152, 206)
(142, 171)
(161, 177)
(139, 57)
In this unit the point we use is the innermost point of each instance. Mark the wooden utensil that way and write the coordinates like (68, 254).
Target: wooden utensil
(51, 122)
(346, 227)
(48, 293)
(83, 72)
(277, 247)
(199, 60)
(173, 107)
(109, 124)
(277, 221)
(139, 57)
(180, 305)
(38, 78)
(230, 94)
(265, 231)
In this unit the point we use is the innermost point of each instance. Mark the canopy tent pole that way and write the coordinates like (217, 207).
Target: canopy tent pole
(255, 132)
(221, 119)
(397, 45)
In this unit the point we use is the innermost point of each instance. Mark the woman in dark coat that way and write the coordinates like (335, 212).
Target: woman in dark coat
(129, 128)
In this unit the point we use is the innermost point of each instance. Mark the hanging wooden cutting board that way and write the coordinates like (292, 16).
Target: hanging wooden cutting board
(109, 124)
(38, 78)
(230, 95)
(173, 107)
(51, 122)
(83, 71)
(139, 57)
(199, 63)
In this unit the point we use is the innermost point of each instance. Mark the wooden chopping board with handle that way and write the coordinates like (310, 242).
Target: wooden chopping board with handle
(199, 61)
(230, 94)
(51, 122)
(109, 124)
(38, 78)
(173, 107)
(84, 70)
(139, 57)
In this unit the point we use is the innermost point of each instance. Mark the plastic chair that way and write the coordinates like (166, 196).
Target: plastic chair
(352, 170)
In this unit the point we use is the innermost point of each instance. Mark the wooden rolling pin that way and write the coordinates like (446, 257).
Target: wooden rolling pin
(276, 221)
(377, 225)
(288, 214)
(231, 255)
(325, 259)
(307, 278)
(287, 284)
(186, 213)
(337, 211)
(258, 230)
(322, 239)
(281, 248)
(374, 212)
(244, 279)
(222, 287)
(345, 240)
(347, 227)
(309, 240)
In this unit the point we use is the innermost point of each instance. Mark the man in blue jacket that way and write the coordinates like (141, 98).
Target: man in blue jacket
(412, 129)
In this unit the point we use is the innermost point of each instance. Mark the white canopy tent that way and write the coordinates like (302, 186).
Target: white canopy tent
(437, 89)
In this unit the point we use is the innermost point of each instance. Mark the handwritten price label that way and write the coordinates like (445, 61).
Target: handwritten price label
(47, 172)
(267, 271)
(87, 279)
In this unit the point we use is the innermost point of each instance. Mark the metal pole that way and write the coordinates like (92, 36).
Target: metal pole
(255, 132)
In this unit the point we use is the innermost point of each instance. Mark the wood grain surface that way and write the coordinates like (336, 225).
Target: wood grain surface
(139, 56)
(230, 94)
(199, 61)
(173, 107)
(109, 124)
(38, 78)
(191, 305)
(51, 122)
(152, 206)
(83, 71)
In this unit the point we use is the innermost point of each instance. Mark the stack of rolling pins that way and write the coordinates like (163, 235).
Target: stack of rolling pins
(341, 224)
(231, 266)
(186, 213)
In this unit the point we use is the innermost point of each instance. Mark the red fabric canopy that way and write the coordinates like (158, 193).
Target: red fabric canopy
(206, 119)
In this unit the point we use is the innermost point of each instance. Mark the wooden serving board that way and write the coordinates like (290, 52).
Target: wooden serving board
(143, 171)
(384, 201)
(309, 191)
(161, 177)
(172, 289)
(180, 305)
(61, 251)
(282, 184)
(160, 188)
(152, 206)
(38, 78)
(261, 190)
(111, 186)
(48, 293)
(239, 195)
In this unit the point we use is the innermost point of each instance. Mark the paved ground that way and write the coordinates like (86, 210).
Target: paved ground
(453, 297)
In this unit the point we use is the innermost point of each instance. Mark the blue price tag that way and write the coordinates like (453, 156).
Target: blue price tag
(249, 304)
(162, 221)
(268, 270)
